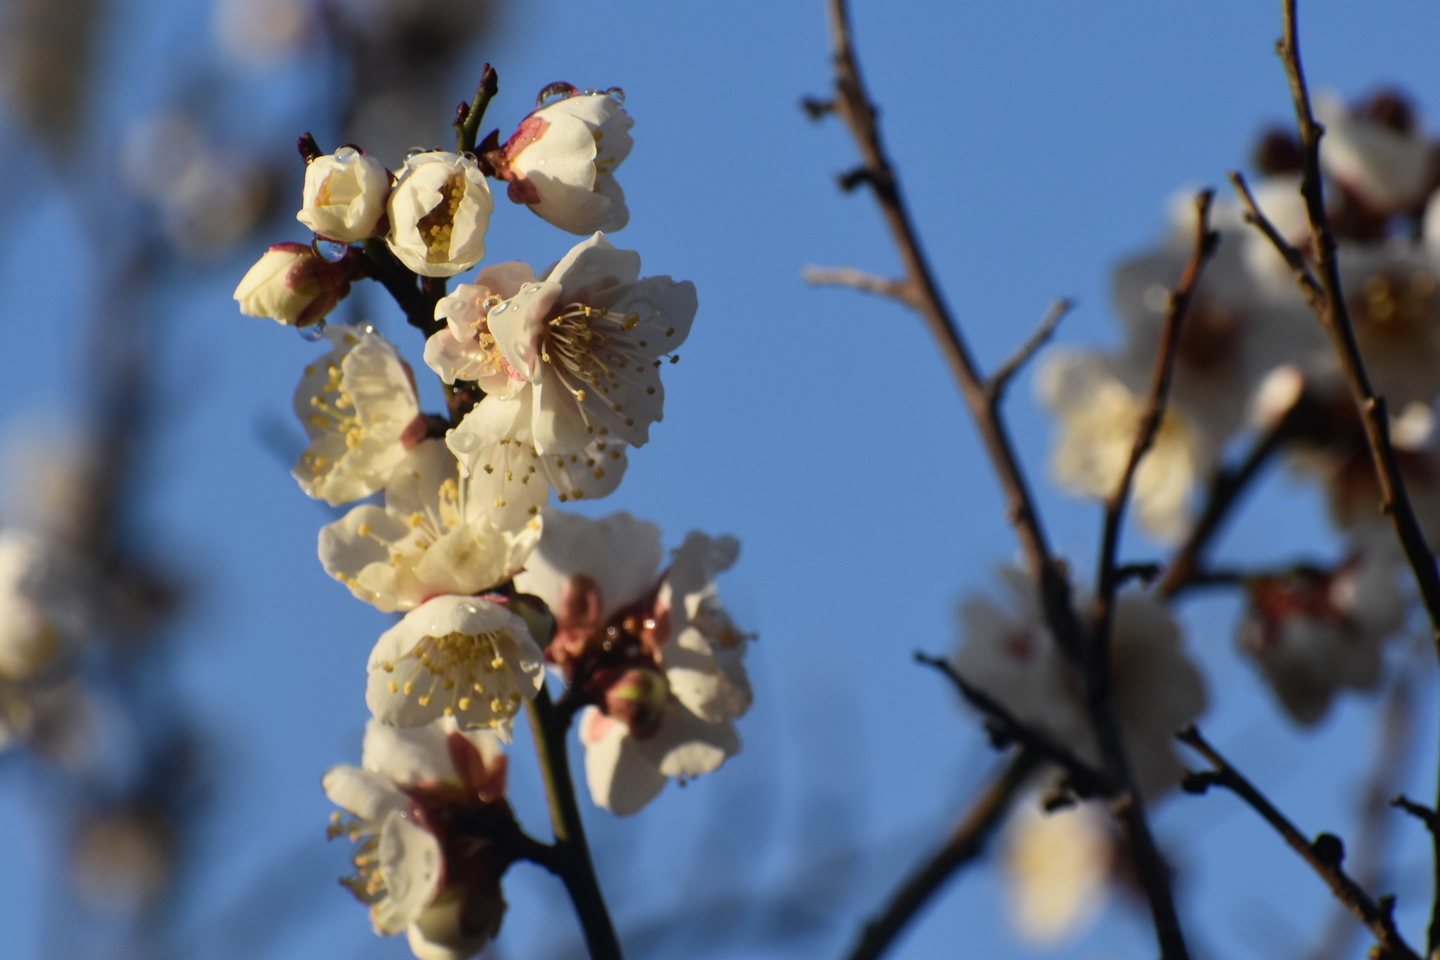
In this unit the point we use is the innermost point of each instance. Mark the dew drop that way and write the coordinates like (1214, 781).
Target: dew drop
(330, 250)
(314, 332)
(415, 152)
(590, 91)
(616, 94)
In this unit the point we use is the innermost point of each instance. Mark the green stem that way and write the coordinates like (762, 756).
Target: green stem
(467, 127)
(572, 853)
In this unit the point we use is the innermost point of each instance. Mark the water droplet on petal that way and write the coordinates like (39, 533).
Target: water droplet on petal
(541, 163)
(314, 332)
(367, 328)
(590, 91)
(616, 94)
(330, 250)
(415, 152)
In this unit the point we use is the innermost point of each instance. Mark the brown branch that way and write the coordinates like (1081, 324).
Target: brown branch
(860, 280)
(1431, 820)
(965, 843)
(1000, 379)
(1334, 315)
(1323, 854)
(1187, 568)
(1099, 671)
(852, 103)
(1394, 756)
(1086, 779)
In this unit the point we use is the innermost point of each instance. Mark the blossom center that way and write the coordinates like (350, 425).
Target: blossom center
(458, 669)
(585, 347)
(437, 226)
(1395, 304)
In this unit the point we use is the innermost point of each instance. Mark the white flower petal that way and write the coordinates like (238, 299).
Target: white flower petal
(621, 779)
(369, 795)
(686, 746)
(412, 866)
(620, 553)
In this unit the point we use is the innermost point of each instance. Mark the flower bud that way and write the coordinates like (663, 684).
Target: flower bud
(439, 211)
(637, 697)
(344, 195)
(561, 162)
(293, 286)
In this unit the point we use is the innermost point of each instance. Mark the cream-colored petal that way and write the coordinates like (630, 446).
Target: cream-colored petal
(621, 779)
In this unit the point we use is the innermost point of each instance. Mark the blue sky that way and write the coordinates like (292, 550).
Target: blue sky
(1039, 143)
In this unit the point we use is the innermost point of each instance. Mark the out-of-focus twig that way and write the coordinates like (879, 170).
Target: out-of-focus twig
(1153, 872)
(1187, 568)
(1010, 727)
(1000, 379)
(860, 280)
(965, 843)
(1394, 756)
(1334, 316)
(921, 291)
(1324, 854)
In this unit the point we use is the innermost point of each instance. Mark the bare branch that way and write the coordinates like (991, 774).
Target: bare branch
(1001, 378)
(852, 104)
(1099, 671)
(860, 280)
(965, 844)
(1086, 779)
(1187, 569)
(1334, 315)
(1323, 854)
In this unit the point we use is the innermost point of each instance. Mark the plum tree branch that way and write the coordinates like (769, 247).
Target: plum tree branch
(1334, 316)
(1153, 872)
(922, 293)
(965, 843)
(1324, 854)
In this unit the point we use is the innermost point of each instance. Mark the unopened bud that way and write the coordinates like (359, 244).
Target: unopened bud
(638, 698)
(292, 285)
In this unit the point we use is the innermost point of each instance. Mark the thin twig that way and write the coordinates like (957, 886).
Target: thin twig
(1324, 858)
(965, 843)
(1099, 674)
(1334, 315)
(1187, 568)
(1085, 778)
(1431, 820)
(469, 117)
(1000, 379)
(860, 280)
(1394, 756)
(852, 103)
(570, 853)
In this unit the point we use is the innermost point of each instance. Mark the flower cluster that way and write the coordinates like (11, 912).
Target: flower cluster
(1252, 359)
(553, 376)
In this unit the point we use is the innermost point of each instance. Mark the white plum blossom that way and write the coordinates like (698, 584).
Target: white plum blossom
(1098, 413)
(465, 348)
(358, 406)
(439, 212)
(1394, 299)
(561, 162)
(433, 536)
(1056, 865)
(40, 621)
(588, 339)
(1375, 153)
(453, 656)
(1315, 630)
(1009, 653)
(291, 285)
(416, 867)
(345, 195)
(496, 447)
(655, 655)
(1234, 332)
